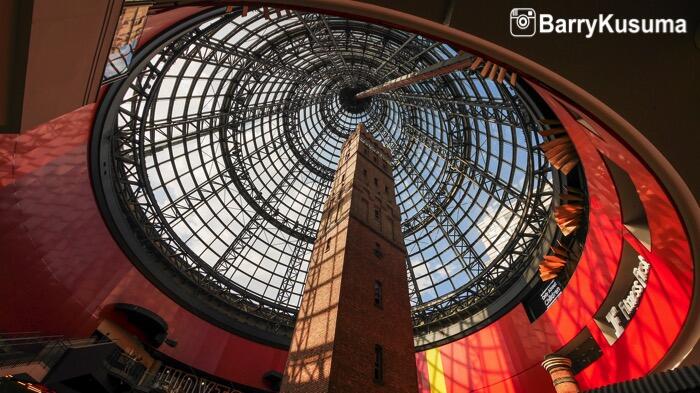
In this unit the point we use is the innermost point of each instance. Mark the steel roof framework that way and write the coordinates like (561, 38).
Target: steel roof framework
(225, 143)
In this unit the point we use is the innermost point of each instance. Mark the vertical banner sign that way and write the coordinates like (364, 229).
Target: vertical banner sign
(621, 314)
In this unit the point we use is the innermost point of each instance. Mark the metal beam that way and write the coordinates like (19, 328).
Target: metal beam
(460, 61)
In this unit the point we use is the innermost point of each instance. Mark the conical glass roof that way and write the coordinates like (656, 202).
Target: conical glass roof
(222, 143)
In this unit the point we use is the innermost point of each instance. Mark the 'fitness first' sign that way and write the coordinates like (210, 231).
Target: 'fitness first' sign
(621, 314)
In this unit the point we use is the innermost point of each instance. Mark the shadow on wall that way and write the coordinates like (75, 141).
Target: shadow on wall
(506, 355)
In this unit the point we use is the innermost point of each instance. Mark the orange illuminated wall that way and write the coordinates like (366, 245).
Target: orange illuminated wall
(506, 355)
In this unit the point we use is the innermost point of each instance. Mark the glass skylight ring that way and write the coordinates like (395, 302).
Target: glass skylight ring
(452, 138)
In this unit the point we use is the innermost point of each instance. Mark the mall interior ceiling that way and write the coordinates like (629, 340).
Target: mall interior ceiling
(166, 165)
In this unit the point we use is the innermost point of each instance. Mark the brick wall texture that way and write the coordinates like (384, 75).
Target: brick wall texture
(359, 245)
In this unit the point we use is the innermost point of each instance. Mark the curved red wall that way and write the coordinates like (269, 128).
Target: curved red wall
(506, 355)
(60, 267)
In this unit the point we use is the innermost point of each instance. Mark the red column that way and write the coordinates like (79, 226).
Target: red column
(559, 368)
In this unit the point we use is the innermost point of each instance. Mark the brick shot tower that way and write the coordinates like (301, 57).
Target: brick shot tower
(354, 331)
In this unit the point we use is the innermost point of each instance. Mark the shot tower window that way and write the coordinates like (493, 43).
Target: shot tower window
(378, 364)
(378, 293)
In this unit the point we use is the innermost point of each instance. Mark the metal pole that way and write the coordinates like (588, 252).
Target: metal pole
(460, 61)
